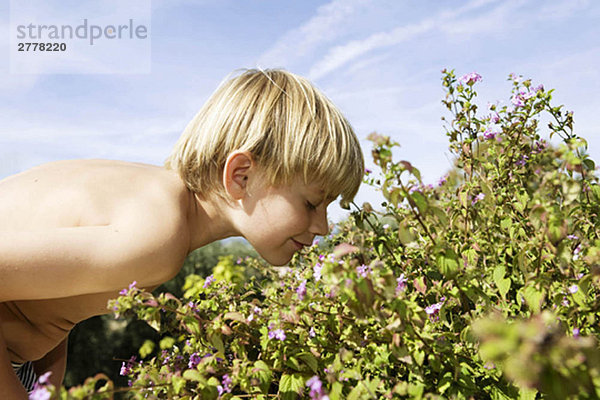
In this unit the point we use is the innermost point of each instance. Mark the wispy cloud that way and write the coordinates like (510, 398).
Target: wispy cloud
(340, 55)
(498, 19)
(562, 9)
(326, 26)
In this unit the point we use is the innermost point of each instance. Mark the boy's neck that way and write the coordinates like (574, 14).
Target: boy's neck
(208, 220)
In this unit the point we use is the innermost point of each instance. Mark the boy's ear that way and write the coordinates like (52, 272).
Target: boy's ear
(238, 167)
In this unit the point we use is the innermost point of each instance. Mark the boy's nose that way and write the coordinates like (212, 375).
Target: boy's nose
(319, 225)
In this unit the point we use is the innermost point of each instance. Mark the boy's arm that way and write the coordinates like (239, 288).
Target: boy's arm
(10, 386)
(55, 361)
(64, 262)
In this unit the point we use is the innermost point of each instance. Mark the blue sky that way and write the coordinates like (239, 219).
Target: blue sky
(378, 60)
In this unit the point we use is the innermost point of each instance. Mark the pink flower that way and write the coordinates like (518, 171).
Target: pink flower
(317, 271)
(301, 290)
(523, 160)
(226, 382)
(515, 78)
(208, 281)
(39, 393)
(363, 270)
(573, 289)
(517, 101)
(44, 379)
(469, 78)
(315, 384)
(331, 293)
(478, 198)
(124, 370)
(277, 334)
(401, 284)
(126, 367)
(312, 332)
(316, 389)
(488, 134)
(489, 365)
(526, 94)
(123, 292)
(194, 360)
(434, 309)
(539, 146)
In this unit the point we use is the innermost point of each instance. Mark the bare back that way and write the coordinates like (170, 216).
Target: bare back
(84, 193)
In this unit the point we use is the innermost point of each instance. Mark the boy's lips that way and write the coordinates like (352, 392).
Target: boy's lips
(298, 244)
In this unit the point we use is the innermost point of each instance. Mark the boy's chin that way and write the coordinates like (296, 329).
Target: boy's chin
(277, 260)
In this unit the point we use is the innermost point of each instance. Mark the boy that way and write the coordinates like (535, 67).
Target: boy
(262, 159)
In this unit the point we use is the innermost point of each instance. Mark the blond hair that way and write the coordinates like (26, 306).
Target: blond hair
(289, 126)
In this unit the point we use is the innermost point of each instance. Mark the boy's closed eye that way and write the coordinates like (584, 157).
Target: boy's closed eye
(310, 206)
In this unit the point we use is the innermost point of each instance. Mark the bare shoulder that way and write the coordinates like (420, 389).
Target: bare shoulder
(147, 204)
(152, 211)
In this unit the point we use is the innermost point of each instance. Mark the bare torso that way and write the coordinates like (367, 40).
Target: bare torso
(71, 194)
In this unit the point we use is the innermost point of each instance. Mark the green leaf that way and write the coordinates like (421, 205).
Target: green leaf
(440, 214)
(396, 195)
(523, 200)
(571, 190)
(167, 343)
(178, 383)
(557, 229)
(146, 348)
(264, 374)
(447, 262)
(293, 363)
(580, 298)
(154, 320)
(193, 375)
(357, 392)
(210, 391)
(503, 284)
(235, 316)
(216, 341)
(290, 386)
(336, 391)
(527, 394)
(533, 298)
(596, 191)
(419, 356)
(310, 360)
(404, 234)
(415, 390)
(420, 200)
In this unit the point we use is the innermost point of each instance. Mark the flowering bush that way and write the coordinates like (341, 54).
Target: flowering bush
(484, 286)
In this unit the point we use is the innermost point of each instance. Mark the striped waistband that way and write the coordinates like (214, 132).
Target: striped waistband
(16, 366)
(26, 374)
